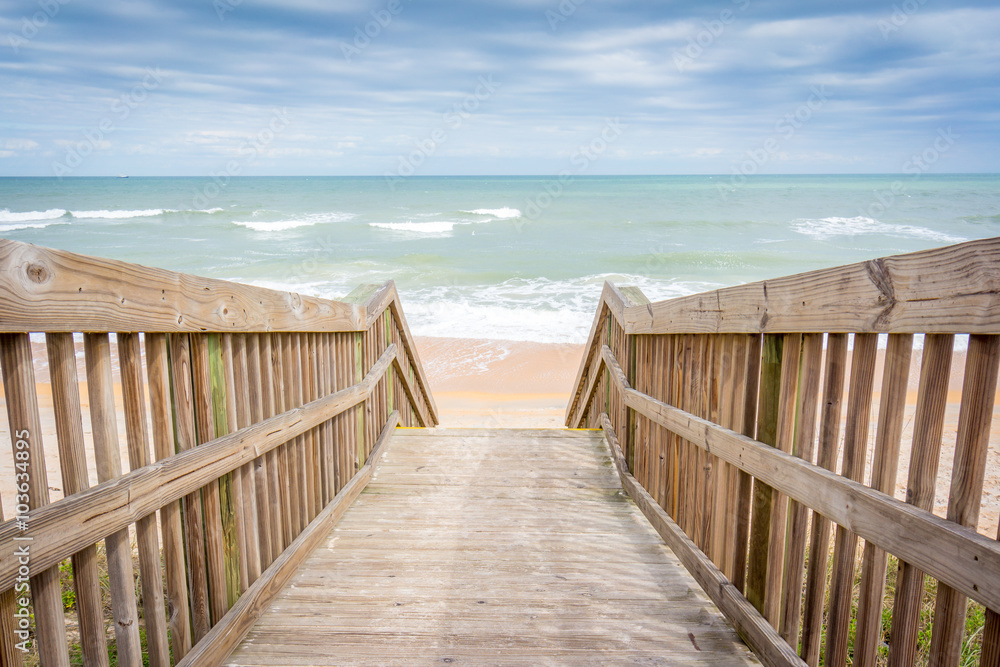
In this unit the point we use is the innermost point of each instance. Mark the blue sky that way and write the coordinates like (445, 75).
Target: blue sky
(519, 87)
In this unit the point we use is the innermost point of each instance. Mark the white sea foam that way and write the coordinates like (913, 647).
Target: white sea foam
(31, 216)
(505, 213)
(823, 229)
(118, 215)
(285, 225)
(437, 227)
(29, 225)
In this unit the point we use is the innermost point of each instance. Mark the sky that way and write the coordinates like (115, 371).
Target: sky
(404, 87)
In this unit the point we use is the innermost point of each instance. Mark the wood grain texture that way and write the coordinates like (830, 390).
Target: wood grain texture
(228, 632)
(892, 401)
(124, 612)
(955, 289)
(178, 611)
(25, 426)
(42, 289)
(489, 566)
(62, 528)
(965, 496)
(762, 638)
(147, 541)
(956, 555)
(73, 465)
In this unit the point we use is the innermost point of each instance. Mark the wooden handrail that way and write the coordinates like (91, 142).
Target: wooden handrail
(264, 407)
(715, 399)
(42, 289)
(958, 556)
(62, 528)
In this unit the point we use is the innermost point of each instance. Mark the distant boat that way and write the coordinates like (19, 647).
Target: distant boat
(122, 176)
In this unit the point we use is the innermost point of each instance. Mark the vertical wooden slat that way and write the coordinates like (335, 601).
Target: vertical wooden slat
(753, 345)
(763, 495)
(180, 361)
(257, 386)
(819, 543)
(358, 358)
(97, 351)
(134, 399)
(784, 440)
(721, 474)
(240, 503)
(239, 390)
(158, 374)
(892, 401)
(805, 434)
(735, 398)
(210, 494)
(859, 401)
(965, 497)
(73, 465)
(22, 412)
(280, 351)
(269, 381)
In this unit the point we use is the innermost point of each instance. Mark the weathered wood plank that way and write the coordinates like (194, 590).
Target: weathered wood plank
(956, 555)
(42, 289)
(469, 573)
(97, 352)
(946, 290)
(228, 632)
(73, 465)
(63, 528)
(147, 541)
(25, 426)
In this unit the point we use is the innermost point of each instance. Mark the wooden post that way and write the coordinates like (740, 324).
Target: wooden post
(751, 388)
(805, 433)
(180, 363)
(892, 401)
(971, 446)
(158, 374)
(103, 422)
(230, 485)
(134, 397)
(25, 426)
(767, 427)
(819, 543)
(859, 403)
(73, 464)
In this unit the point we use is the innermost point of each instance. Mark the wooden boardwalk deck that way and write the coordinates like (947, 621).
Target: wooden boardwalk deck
(492, 547)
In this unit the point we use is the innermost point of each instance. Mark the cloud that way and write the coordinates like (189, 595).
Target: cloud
(743, 72)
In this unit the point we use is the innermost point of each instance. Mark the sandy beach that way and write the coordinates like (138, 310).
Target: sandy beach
(498, 384)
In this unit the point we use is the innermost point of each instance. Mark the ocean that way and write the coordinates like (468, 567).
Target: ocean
(509, 258)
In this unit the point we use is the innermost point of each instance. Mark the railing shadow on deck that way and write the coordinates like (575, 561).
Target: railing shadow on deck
(265, 410)
(724, 412)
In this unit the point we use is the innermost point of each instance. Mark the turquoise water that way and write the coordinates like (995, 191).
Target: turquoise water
(520, 258)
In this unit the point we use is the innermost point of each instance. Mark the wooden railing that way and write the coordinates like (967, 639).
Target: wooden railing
(265, 410)
(725, 412)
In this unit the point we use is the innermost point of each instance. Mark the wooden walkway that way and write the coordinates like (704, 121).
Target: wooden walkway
(492, 547)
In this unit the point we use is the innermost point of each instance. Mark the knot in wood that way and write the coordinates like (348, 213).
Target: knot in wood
(37, 273)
